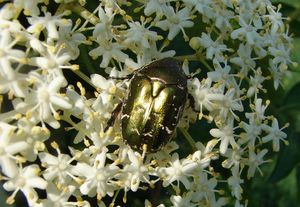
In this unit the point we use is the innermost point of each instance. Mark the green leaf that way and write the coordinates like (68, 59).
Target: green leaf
(288, 158)
(292, 96)
(291, 105)
(298, 182)
(294, 77)
(3, 197)
(296, 50)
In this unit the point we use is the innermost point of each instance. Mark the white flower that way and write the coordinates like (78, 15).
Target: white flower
(276, 73)
(256, 83)
(205, 154)
(9, 148)
(52, 57)
(108, 50)
(100, 139)
(259, 110)
(180, 201)
(30, 7)
(98, 179)
(275, 17)
(246, 32)
(48, 22)
(71, 40)
(235, 182)
(135, 171)
(177, 171)
(252, 129)
(148, 204)
(156, 53)
(230, 103)
(204, 7)
(234, 158)
(103, 30)
(238, 204)
(33, 135)
(275, 134)
(103, 83)
(58, 167)
(11, 80)
(140, 35)
(203, 95)
(255, 160)
(45, 97)
(176, 21)
(104, 105)
(204, 188)
(156, 6)
(226, 136)
(244, 59)
(80, 104)
(238, 46)
(223, 16)
(26, 180)
(281, 55)
(58, 197)
(213, 48)
(221, 74)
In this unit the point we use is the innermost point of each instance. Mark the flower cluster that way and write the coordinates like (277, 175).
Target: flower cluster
(238, 46)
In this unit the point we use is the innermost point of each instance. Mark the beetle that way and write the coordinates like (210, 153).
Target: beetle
(154, 105)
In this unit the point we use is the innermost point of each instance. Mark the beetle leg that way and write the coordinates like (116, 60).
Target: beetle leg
(192, 103)
(113, 117)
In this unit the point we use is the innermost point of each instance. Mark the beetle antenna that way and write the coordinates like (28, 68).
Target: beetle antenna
(113, 117)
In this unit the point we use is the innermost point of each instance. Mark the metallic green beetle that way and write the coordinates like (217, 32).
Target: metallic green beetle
(153, 106)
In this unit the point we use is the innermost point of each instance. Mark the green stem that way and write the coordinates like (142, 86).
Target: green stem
(203, 61)
(84, 77)
(195, 57)
(76, 126)
(81, 11)
(115, 197)
(192, 57)
(189, 138)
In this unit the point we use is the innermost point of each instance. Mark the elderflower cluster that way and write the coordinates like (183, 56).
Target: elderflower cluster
(238, 47)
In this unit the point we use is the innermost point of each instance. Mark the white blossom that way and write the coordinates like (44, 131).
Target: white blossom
(226, 136)
(26, 180)
(97, 178)
(57, 167)
(255, 160)
(275, 134)
(213, 48)
(178, 171)
(175, 21)
(48, 22)
(9, 147)
(65, 68)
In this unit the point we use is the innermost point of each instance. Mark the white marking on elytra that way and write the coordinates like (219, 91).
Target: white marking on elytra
(180, 87)
(125, 116)
(149, 134)
(137, 131)
(168, 130)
